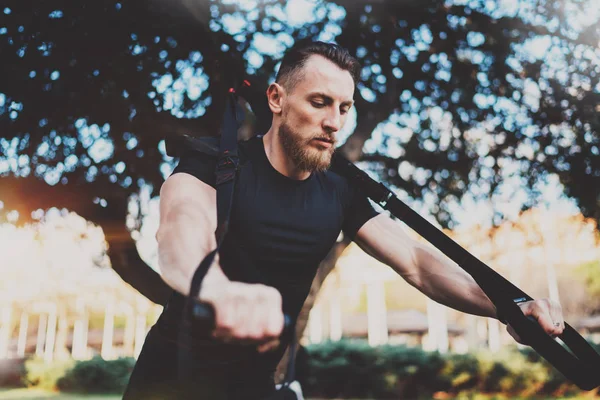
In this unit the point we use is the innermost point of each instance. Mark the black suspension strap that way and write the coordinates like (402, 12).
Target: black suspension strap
(226, 171)
(581, 364)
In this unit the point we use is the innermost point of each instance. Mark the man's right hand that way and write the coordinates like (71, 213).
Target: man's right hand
(244, 313)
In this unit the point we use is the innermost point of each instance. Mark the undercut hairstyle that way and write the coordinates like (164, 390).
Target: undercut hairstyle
(291, 70)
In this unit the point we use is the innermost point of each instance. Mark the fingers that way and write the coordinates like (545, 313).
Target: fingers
(274, 325)
(557, 317)
(548, 314)
(249, 314)
(226, 308)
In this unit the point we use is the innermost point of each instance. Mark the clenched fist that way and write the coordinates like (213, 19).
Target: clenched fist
(548, 314)
(245, 313)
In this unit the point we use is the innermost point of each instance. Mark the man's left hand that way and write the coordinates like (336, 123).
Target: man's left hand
(546, 312)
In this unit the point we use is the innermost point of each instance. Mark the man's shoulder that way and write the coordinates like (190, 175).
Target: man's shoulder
(200, 157)
(207, 149)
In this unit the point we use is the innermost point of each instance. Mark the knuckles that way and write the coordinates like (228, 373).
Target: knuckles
(248, 312)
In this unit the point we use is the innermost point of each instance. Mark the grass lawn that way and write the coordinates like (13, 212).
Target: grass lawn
(36, 394)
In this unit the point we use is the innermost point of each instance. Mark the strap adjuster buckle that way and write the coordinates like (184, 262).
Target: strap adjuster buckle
(227, 167)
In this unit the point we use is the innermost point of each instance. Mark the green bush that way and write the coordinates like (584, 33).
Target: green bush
(460, 372)
(97, 376)
(353, 369)
(92, 376)
(555, 383)
(348, 368)
(412, 371)
(44, 375)
(344, 369)
(511, 373)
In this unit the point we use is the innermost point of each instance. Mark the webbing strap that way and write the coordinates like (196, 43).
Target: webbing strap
(580, 365)
(226, 171)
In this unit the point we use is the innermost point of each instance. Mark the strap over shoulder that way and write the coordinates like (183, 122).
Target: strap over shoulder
(181, 144)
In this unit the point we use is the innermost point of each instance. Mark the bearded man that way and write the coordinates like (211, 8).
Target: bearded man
(288, 211)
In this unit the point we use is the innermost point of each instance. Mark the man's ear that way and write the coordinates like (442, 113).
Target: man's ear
(275, 94)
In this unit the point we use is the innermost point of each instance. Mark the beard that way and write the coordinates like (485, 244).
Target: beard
(305, 156)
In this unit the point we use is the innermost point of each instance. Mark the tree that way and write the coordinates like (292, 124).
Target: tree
(451, 101)
(591, 274)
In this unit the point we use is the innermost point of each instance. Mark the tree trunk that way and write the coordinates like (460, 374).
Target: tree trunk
(127, 262)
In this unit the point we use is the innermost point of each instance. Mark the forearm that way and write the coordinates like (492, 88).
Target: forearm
(444, 281)
(180, 252)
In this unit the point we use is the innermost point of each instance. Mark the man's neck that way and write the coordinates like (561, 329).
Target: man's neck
(278, 159)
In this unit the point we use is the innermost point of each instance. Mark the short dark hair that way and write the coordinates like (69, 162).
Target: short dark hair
(290, 71)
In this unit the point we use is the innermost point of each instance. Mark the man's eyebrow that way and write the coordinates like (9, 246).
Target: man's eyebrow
(330, 99)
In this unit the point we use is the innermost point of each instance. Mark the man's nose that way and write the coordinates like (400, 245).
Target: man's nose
(333, 122)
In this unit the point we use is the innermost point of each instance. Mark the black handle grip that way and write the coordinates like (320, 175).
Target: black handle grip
(205, 313)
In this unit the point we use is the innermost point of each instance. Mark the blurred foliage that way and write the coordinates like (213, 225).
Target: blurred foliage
(97, 376)
(455, 99)
(89, 376)
(43, 375)
(96, 320)
(352, 369)
(591, 273)
(454, 87)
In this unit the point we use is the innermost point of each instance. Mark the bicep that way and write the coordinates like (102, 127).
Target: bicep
(187, 210)
(385, 240)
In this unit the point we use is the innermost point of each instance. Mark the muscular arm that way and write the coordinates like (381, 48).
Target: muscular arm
(186, 230)
(246, 313)
(423, 267)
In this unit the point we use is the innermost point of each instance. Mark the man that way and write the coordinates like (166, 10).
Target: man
(288, 211)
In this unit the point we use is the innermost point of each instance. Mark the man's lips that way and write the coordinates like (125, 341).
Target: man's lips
(325, 141)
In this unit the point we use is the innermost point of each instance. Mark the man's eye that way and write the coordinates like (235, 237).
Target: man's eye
(317, 104)
(344, 111)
